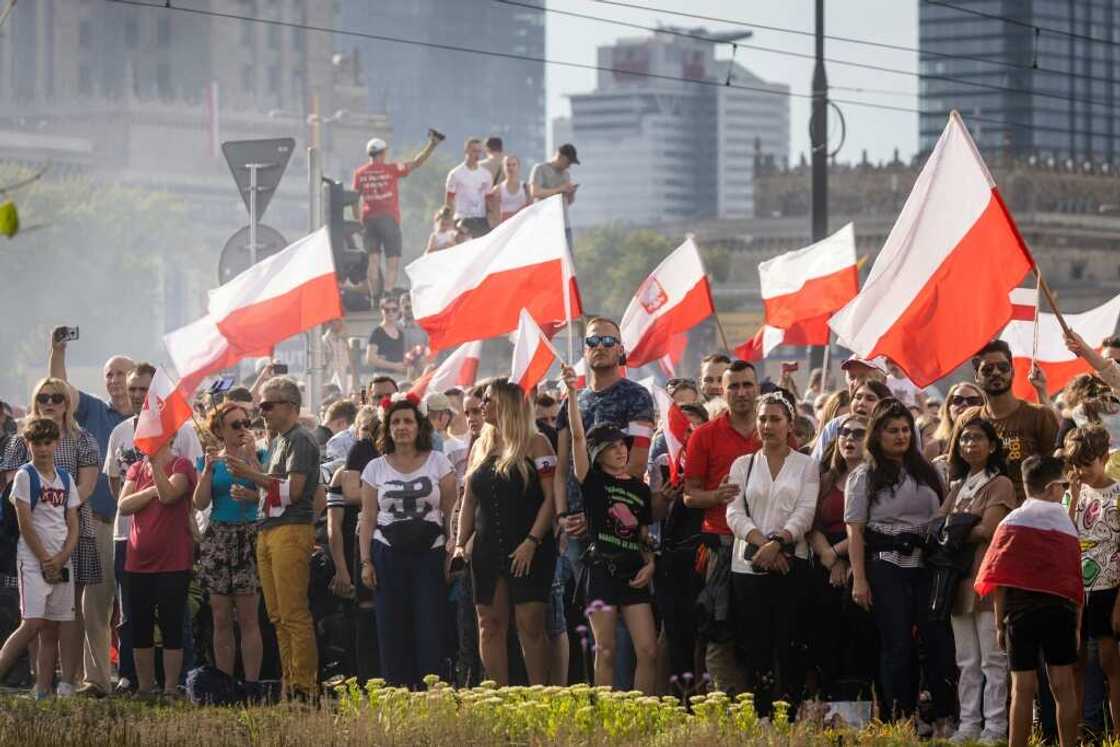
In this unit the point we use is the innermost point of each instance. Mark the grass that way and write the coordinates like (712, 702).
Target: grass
(439, 716)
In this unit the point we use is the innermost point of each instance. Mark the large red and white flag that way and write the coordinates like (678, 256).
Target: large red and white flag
(810, 332)
(281, 296)
(273, 300)
(809, 283)
(165, 410)
(1034, 548)
(938, 290)
(673, 299)
(674, 425)
(533, 354)
(459, 370)
(1053, 357)
(477, 289)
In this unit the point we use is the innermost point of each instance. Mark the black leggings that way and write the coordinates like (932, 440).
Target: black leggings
(167, 592)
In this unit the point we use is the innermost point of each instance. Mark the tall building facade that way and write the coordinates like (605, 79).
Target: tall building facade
(1066, 87)
(654, 149)
(459, 93)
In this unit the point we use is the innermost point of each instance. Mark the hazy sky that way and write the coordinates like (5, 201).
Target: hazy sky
(890, 21)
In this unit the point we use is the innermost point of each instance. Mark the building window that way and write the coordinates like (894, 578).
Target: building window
(163, 80)
(246, 32)
(163, 32)
(274, 37)
(131, 33)
(248, 85)
(85, 34)
(298, 39)
(273, 79)
(85, 80)
(1077, 270)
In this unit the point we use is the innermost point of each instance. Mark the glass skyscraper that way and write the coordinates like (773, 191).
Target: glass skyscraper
(1022, 87)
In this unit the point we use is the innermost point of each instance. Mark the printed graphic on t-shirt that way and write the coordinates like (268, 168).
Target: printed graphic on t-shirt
(406, 499)
(1098, 527)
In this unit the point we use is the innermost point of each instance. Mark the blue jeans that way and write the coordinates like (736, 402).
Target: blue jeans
(411, 607)
(126, 667)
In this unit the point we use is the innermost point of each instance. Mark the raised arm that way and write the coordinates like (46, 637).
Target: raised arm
(424, 154)
(57, 365)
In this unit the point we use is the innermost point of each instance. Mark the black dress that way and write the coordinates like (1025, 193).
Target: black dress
(504, 514)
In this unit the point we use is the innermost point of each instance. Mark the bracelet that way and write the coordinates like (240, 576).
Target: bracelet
(533, 539)
(367, 561)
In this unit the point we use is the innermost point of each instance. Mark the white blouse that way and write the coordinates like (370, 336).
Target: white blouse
(786, 502)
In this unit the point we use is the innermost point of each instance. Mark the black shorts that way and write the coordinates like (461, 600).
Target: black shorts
(1098, 613)
(613, 589)
(382, 235)
(476, 227)
(1051, 630)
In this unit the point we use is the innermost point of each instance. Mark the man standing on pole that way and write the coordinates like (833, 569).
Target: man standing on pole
(376, 183)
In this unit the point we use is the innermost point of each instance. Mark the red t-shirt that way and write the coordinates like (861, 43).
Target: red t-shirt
(376, 182)
(160, 539)
(711, 449)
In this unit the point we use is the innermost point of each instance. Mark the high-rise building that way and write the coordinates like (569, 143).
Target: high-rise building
(656, 149)
(460, 93)
(1027, 78)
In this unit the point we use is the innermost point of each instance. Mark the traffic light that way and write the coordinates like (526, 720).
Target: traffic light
(349, 259)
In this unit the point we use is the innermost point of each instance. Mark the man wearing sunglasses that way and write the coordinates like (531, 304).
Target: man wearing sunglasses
(1026, 429)
(120, 454)
(287, 537)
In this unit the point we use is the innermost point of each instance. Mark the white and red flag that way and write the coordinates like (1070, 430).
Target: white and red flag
(811, 332)
(533, 354)
(674, 425)
(1034, 548)
(673, 299)
(281, 296)
(477, 289)
(938, 290)
(1045, 341)
(165, 410)
(459, 370)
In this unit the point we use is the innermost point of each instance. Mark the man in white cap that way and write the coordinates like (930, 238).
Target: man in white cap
(376, 183)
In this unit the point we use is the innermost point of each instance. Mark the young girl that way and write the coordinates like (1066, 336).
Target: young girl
(619, 562)
(1093, 499)
(443, 231)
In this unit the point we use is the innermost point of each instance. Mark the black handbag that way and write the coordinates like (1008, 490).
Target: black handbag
(411, 535)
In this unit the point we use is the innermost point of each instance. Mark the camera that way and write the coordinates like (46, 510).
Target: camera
(279, 368)
(66, 334)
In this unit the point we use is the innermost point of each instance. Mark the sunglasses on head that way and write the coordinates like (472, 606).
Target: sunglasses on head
(267, 406)
(43, 398)
(594, 341)
(856, 433)
(239, 425)
(960, 400)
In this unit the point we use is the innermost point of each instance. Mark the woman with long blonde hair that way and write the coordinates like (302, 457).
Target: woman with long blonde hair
(508, 506)
(77, 453)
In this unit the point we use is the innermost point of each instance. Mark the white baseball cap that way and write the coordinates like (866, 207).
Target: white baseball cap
(375, 146)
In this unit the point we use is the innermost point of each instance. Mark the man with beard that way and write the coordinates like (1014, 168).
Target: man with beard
(1026, 429)
(711, 450)
(609, 397)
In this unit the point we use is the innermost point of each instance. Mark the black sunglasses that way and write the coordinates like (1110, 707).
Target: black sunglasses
(267, 406)
(851, 432)
(607, 341)
(958, 400)
(239, 425)
(986, 368)
(44, 398)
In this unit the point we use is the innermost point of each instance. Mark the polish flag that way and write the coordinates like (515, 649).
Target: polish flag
(1053, 357)
(938, 290)
(808, 332)
(477, 289)
(673, 299)
(533, 354)
(279, 297)
(198, 350)
(1034, 548)
(668, 362)
(581, 373)
(809, 283)
(459, 370)
(165, 410)
(674, 424)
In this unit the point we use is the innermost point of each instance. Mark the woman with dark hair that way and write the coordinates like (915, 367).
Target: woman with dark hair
(840, 635)
(979, 486)
(508, 507)
(769, 518)
(887, 502)
(407, 496)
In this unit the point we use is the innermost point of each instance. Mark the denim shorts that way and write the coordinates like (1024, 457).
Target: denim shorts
(557, 623)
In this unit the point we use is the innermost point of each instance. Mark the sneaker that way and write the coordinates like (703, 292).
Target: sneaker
(36, 694)
(91, 690)
(124, 686)
(65, 690)
(993, 737)
(961, 736)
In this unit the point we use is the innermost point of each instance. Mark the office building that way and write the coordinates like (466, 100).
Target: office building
(1053, 94)
(656, 149)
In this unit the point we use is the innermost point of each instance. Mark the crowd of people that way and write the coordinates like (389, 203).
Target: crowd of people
(804, 546)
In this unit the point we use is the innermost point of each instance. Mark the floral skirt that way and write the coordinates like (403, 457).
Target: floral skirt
(227, 562)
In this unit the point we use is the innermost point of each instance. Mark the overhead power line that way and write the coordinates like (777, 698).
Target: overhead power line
(1111, 106)
(1026, 24)
(167, 6)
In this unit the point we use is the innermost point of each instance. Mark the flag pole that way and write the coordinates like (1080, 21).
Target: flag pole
(711, 299)
(566, 280)
(1050, 299)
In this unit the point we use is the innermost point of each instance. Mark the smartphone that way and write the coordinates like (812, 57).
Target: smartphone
(790, 367)
(436, 135)
(279, 368)
(66, 334)
(222, 384)
(64, 575)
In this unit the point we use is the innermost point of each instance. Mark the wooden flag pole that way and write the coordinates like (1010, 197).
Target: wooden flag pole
(715, 311)
(1050, 299)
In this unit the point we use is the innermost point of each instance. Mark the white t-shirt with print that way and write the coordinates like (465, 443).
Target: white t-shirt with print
(470, 187)
(1098, 526)
(414, 495)
(49, 514)
(121, 453)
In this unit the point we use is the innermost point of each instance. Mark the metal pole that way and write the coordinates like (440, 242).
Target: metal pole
(315, 335)
(252, 211)
(818, 135)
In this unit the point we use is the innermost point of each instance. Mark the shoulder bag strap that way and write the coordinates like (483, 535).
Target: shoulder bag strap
(746, 484)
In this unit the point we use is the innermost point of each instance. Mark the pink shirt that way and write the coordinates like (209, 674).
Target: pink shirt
(160, 539)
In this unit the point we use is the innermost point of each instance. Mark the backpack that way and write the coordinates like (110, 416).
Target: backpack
(9, 523)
